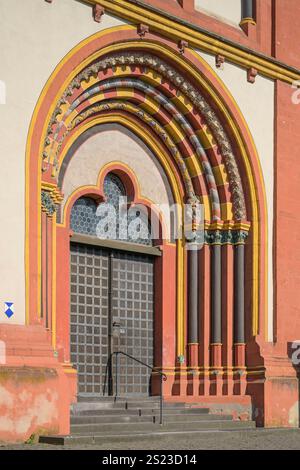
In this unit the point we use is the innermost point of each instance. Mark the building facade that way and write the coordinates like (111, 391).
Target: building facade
(168, 104)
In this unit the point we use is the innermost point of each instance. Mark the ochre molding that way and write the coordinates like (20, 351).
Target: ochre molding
(162, 23)
(150, 61)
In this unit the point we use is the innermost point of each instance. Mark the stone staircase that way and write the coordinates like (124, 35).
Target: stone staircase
(127, 419)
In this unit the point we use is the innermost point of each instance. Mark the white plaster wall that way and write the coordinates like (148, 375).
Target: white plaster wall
(116, 145)
(34, 37)
(226, 10)
(256, 102)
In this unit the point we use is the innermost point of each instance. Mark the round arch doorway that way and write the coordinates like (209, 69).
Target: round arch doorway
(112, 294)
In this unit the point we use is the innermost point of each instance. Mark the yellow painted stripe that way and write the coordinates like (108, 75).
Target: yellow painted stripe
(95, 98)
(175, 131)
(121, 71)
(193, 165)
(226, 211)
(92, 80)
(206, 138)
(182, 102)
(207, 207)
(124, 93)
(220, 175)
(150, 106)
(153, 77)
(70, 118)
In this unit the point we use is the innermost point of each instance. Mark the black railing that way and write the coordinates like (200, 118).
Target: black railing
(108, 372)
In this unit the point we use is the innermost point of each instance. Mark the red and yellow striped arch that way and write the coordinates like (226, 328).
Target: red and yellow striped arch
(147, 115)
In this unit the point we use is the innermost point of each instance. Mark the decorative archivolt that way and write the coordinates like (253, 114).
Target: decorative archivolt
(182, 85)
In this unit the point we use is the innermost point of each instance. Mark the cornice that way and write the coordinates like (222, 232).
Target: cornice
(177, 29)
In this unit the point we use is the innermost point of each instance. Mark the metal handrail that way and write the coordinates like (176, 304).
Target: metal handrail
(163, 377)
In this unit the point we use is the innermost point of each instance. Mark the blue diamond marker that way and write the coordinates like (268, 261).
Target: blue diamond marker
(9, 309)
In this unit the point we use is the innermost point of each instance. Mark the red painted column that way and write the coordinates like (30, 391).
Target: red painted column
(63, 294)
(48, 272)
(165, 317)
(43, 266)
(193, 350)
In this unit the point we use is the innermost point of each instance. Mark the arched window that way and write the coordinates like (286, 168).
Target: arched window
(112, 219)
(113, 189)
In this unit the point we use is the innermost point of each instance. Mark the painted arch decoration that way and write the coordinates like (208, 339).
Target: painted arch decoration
(157, 94)
(169, 104)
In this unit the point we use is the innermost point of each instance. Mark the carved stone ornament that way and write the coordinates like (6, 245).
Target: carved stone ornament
(98, 12)
(142, 30)
(182, 84)
(251, 75)
(225, 237)
(182, 45)
(220, 60)
(48, 205)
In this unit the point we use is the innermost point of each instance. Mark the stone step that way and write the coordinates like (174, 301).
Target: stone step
(132, 418)
(147, 418)
(104, 412)
(100, 398)
(149, 405)
(137, 411)
(90, 429)
(127, 405)
(117, 419)
(134, 436)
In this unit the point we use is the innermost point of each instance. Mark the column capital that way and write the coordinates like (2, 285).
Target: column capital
(225, 237)
(51, 197)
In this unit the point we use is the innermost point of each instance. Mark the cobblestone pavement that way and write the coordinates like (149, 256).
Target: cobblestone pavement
(260, 439)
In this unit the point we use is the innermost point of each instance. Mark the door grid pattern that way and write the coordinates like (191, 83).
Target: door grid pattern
(89, 316)
(132, 306)
(93, 271)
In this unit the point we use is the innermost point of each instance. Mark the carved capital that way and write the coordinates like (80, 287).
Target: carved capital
(48, 205)
(51, 197)
(225, 237)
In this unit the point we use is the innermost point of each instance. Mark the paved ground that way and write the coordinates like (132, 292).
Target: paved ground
(260, 439)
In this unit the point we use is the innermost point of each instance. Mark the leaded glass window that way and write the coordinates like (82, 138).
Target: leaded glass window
(113, 189)
(83, 216)
(111, 219)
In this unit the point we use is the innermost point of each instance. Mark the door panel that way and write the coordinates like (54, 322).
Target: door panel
(132, 307)
(131, 279)
(89, 316)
